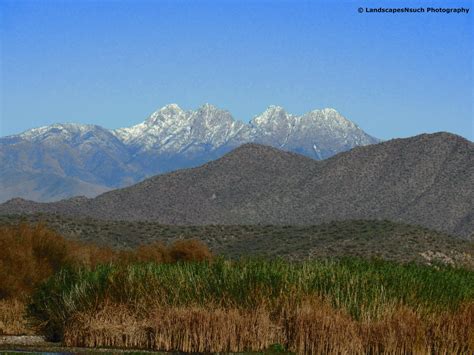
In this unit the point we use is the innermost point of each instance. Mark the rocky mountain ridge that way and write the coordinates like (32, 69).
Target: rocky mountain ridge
(423, 180)
(64, 160)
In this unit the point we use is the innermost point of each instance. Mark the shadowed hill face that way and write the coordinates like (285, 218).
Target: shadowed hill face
(425, 180)
(222, 191)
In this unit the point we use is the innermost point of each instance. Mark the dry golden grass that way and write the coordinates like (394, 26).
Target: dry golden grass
(454, 332)
(314, 327)
(189, 329)
(12, 321)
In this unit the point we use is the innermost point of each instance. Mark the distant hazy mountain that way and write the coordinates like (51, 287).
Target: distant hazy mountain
(64, 160)
(425, 180)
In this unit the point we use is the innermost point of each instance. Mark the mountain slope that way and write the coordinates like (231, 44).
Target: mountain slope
(424, 180)
(427, 180)
(61, 160)
(87, 159)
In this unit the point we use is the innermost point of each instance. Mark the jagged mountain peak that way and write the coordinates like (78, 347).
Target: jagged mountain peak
(170, 138)
(329, 111)
(166, 113)
(170, 109)
(324, 113)
(171, 106)
(329, 116)
(171, 128)
(172, 114)
(213, 113)
(207, 107)
(273, 115)
(275, 109)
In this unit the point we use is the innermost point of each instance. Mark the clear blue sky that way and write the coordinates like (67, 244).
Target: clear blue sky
(112, 63)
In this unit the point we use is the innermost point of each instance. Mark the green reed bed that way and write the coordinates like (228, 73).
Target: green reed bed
(364, 289)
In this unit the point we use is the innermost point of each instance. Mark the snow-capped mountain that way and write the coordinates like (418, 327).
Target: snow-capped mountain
(172, 130)
(64, 160)
(318, 134)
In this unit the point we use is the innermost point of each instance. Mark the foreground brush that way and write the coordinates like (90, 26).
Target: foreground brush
(345, 306)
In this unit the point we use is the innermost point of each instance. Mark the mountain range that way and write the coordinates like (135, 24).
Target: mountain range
(64, 160)
(425, 180)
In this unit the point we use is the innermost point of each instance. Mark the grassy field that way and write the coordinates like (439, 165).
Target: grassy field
(361, 238)
(179, 297)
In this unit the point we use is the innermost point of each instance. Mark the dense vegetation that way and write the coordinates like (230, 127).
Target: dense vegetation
(177, 297)
(30, 254)
(307, 307)
(361, 238)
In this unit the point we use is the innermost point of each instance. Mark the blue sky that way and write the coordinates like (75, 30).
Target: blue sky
(112, 63)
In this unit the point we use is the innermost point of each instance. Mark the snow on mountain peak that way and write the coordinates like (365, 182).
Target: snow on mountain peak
(172, 130)
(212, 116)
(172, 138)
(329, 117)
(330, 110)
(208, 107)
(271, 116)
(59, 129)
(274, 108)
(173, 106)
(168, 112)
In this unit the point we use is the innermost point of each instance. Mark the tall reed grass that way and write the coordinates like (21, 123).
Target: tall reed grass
(180, 298)
(29, 254)
(315, 306)
(12, 320)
